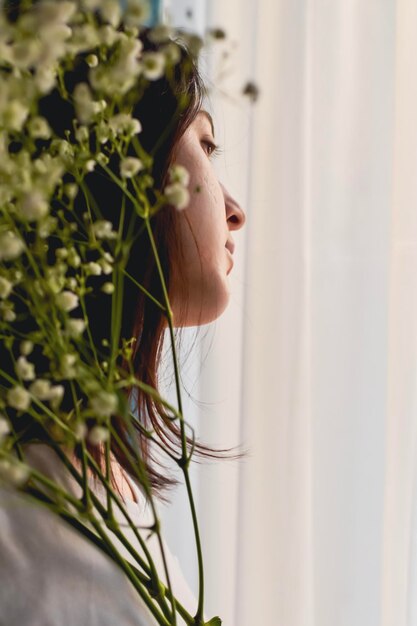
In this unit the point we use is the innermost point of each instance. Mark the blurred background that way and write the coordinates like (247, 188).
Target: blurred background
(313, 367)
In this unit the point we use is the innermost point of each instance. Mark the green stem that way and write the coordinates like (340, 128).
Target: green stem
(184, 463)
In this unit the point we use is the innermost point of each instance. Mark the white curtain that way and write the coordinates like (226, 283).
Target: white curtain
(314, 364)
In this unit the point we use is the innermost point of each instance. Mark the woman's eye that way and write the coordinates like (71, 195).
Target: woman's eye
(211, 147)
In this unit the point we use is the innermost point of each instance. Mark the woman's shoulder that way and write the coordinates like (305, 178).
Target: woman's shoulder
(50, 574)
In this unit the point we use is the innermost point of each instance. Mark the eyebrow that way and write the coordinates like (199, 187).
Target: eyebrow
(210, 119)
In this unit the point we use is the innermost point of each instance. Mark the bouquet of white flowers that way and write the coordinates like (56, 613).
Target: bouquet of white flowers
(91, 104)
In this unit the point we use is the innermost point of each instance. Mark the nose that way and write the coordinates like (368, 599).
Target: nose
(235, 215)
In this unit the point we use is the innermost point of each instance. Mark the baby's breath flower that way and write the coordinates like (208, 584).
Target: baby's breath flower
(13, 473)
(153, 65)
(18, 398)
(92, 60)
(5, 287)
(71, 190)
(137, 12)
(93, 269)
(104, 403)
(172, 53)
(7, 312)
(161, 33)
(45, 79)
(85, 107)
(33, 206)
(24, 369)
(67, 366)
(10, 246)
(110, 12)
(108, 35)
(40, 388)
(102, 131)
(4, 427)
(75, 327)
(73, 258)
(124, 123)
(179, 174)
(90, 165)
(103, 229)
(14, 115)
(97, 435)
(55, 396)
(39, 128)
(67, 300)
(130, 166)
(26, 347)
(108, 288)
(81, 134)
(102, 159)
(80, 431)
(177, 195)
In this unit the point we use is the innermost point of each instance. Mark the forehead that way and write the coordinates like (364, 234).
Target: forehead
(205, 115)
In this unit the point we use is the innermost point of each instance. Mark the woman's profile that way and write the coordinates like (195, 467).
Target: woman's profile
(48, 574)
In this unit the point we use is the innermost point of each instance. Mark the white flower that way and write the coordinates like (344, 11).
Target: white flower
(50, 11)
(24, 369)
(75, 327)
(124, 123)
(103, 229)
(18, 398)
(108, 35)
(39, 128)
(92, 60)
(10, 246)
(110, 12)
(161, 33)
(41, 388)
(93, 269)
(98, 434)
(102, 131)
(67, 366)
(73, 258)
(81, 134)
(71, 190)
(90, 165)
(172, 53)
(4, 427)
(137, 12)
(130, 166)
(80, 431)
(55, 396)
(8, 314)
(85, 106)
(26, 347)
(108, 288)
(104, 404)
(14, 115)
(179, 174)
(67, 300)
(45, 79)
(32, 206)
(153, 65)
(177, 195)
(13, 473)
(5, 287)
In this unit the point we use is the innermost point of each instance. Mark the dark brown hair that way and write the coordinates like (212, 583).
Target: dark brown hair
(166, 109)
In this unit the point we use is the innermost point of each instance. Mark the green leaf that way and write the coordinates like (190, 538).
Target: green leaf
(215, 621)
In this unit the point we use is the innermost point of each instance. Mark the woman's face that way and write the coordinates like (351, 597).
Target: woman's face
(205, 231)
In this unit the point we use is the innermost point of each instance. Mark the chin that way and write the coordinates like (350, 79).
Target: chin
(205, 309)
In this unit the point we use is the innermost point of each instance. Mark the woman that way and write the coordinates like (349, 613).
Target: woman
(67, 581)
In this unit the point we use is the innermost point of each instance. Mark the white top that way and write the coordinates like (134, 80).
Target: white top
(50, 575)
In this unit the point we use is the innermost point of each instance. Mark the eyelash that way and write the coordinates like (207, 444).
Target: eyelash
(215, 150)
